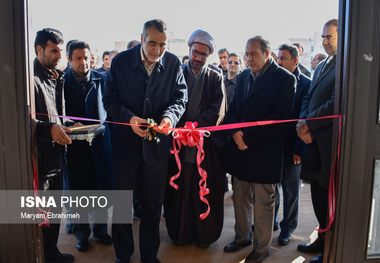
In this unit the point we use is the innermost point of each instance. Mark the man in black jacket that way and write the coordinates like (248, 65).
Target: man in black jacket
(317, 134)
(143, 82)
(89, 166)
(51, 136)
(288, 58)
(263, 92)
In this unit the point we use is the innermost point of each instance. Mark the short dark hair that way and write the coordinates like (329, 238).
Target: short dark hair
(299, 46)
(293, 50)
(158, 24)
(77, 45)
(184, 58)
(68, 44)
(333, 22)
(222, 50)
(264, 44)
(46, 34)
(236, 55)
(105, 53)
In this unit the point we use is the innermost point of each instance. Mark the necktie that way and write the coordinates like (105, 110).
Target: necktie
(327, 62)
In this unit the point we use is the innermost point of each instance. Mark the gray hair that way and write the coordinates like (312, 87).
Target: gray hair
(158, 24)
(264, 44)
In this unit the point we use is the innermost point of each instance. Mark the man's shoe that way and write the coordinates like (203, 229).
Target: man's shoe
(105, 239)
(60, 258)
(255, 257)
(234, 246)
(69, 228)
(82, 245)
(317, 259)
(316, 247)
(284, 238)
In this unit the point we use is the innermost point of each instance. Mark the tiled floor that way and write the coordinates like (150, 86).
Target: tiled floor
(170, 253)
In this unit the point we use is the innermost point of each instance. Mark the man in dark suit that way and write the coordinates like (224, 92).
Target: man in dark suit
(90, 167)
(288, 58)
(143, 82)
(317, 134)
(264, 91)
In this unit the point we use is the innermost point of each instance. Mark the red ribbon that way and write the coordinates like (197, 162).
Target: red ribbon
(189, 136)
(332, 185)
(210, 128)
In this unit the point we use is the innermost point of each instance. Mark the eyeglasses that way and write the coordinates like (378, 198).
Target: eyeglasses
(196, 54)
(328, 37)
(233, 62)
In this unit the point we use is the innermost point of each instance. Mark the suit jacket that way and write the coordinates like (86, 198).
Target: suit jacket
(293, 144)
(318, 102)
(131, 92)
(271, 98)
(304, 70)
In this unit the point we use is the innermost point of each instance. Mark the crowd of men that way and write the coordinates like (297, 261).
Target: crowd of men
(146, 81)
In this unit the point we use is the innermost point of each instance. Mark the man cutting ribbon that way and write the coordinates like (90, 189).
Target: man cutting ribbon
(143, 82)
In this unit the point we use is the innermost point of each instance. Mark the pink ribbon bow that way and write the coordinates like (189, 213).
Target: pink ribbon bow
(189, 136)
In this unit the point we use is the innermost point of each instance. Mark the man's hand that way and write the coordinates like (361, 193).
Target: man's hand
(302, 127)
(58, 134)
(165, 124)
(137, 129)
(307, 137)
(296, 159)
(238, 138)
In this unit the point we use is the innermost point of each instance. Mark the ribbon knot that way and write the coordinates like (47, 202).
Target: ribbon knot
(190, 136)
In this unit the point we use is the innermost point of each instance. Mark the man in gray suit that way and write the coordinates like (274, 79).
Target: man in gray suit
(317, 134)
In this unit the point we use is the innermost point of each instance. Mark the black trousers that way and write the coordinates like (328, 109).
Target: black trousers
(320, 198)
(153, 184)
(54, 181)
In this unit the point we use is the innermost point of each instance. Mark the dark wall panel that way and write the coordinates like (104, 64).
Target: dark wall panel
(18, 243)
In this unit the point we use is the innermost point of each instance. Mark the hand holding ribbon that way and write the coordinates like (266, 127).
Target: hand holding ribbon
(164, 126)
(136, 122)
